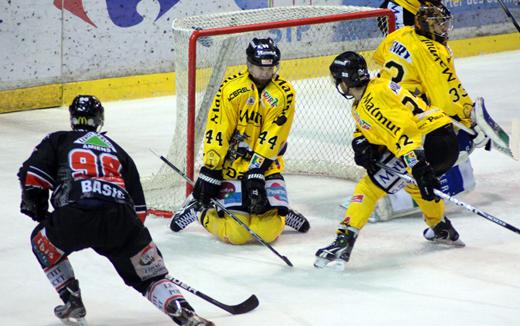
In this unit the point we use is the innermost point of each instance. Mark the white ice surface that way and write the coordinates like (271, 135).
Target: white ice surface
(394, 276)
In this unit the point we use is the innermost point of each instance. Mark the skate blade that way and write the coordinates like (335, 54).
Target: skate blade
(74, 321)
(339, 264)
(458, 243)
(321, 262)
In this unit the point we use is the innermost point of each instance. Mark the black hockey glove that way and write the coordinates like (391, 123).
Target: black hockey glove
(365, 154)
(207, 185)
(426, 180)
(254, 190)
(35, 203)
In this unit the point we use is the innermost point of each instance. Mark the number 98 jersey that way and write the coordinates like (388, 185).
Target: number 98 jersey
(426, 68)
(83, 164)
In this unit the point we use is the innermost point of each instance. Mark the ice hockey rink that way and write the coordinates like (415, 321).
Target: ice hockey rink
(394, 277)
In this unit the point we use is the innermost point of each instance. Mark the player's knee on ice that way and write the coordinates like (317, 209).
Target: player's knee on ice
(268, 226)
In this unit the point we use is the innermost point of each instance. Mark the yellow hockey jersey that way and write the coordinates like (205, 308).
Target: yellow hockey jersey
(391, 116)
(241, 117)
(425, 68)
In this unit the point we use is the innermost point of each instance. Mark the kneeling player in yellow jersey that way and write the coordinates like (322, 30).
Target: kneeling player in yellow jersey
(400, 130)
(246, 135)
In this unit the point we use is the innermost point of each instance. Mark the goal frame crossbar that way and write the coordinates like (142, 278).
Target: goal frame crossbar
(192, 60)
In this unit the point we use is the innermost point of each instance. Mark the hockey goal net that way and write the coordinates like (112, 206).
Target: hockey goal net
(209, 47)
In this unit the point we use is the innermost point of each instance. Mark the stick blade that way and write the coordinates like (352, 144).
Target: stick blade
(249, 304)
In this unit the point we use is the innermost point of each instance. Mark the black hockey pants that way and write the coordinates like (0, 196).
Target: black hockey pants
(441, 149)
(112, 230)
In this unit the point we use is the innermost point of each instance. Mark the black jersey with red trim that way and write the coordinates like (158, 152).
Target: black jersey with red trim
(83, 164)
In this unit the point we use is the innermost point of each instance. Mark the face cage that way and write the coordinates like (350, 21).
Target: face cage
(440, 26)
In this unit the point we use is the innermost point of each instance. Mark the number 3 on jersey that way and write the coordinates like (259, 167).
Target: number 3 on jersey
(399, 71)
(87, 163)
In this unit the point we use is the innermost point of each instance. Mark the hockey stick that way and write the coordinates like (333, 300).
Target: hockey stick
(454, 200)
(225, 210)
(241, 308)
(509, 14)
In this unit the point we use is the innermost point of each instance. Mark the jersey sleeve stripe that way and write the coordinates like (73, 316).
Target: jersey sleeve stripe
(35, 180)
(42, 174)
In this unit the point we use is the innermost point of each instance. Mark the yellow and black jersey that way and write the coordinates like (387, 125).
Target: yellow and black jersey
(261, 119)
(425, 68)
(391, 116)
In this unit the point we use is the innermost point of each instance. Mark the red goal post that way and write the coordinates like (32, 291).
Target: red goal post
(209, 47)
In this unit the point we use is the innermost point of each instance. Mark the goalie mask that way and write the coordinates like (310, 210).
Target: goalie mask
(349, 69)
(434, 21)
(86, 112)
(263, 58)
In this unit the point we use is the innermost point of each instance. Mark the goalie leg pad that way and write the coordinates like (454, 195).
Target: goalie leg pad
(458, 179)
(387, 181)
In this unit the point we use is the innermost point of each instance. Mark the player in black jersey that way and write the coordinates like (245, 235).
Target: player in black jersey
(98, 203)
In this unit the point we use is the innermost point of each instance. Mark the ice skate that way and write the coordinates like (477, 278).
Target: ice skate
(185, 216)
(72, 312)
(444, 233)
(338, 251)
(182, 313)
(297, 221)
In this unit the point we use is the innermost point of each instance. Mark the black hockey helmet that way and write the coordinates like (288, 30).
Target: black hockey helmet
(434, 21)
(263, 52)
(86, 112)
(350, 68)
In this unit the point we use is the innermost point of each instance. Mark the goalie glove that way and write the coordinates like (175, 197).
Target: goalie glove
(207, 186)
(365, 154)
(480, 139)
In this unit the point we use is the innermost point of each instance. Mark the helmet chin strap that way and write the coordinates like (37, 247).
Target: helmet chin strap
(342, 92)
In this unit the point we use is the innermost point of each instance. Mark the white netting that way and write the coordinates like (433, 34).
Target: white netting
(319, 142)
